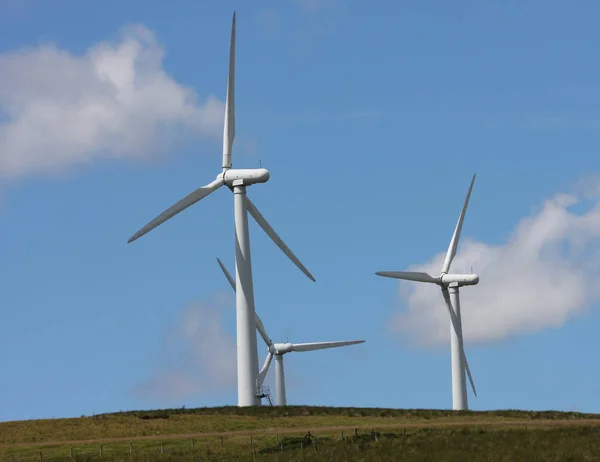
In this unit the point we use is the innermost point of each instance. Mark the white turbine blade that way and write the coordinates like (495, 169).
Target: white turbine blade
(455, 327)
(183, 204)
(409, 276)
(322, 345)
(263, 372)
(229, 127)
(259, 324)
(450, 309)
(468, 369)
(261, 330)
(227, 275)
(456, 236)
(276, 239)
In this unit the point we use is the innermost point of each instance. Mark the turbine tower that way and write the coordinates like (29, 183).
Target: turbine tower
(237, 180)
(279, 349)
(450, 284)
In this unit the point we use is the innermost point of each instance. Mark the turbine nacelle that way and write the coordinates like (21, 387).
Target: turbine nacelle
(244, 176)
(460, 279)
(280, 348)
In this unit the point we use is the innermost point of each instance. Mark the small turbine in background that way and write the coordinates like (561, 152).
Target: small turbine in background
(279, 349)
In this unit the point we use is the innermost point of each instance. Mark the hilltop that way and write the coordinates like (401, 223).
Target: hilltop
(232, 429)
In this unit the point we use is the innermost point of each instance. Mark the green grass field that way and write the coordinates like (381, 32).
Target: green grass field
(270, 433)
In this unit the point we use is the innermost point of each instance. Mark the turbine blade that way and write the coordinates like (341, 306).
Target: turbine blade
(455, 327)
(229, 126)
(275, 238)
(322, 345)
(456, 236)
(227, 275)
(450, 308)
(261, 330)
(263, 372)
(259, 324)
(409, 276)
(183, 204)
(468, 369)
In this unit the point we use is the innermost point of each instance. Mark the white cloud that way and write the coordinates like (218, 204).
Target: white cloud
(545, 273)
(59, 110)
(199, 355)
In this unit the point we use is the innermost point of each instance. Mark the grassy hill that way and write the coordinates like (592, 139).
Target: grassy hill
(271, 433)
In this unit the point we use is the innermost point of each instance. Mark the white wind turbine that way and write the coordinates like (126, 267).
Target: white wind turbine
(279, 349)
(450, 283)
(237, 180)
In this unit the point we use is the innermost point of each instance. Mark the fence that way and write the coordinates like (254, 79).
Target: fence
(498, 441)
(248, 447)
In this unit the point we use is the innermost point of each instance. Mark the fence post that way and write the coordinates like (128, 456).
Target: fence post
(71, 452)
(41, 456)
(342, 434)
(356, 432)
(301, 446)
(281, 447)
(192, 444)
(130, 448)
(221, 442)
(100, 450)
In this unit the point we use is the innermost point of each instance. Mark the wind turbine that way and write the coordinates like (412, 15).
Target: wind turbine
(237, 180)
(279, 349)
(450, 284)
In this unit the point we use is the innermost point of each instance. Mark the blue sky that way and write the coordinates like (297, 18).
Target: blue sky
(372, 118)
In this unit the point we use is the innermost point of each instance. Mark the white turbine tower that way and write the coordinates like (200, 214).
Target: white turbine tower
(450, 284)
(279, 349)
(237, 180)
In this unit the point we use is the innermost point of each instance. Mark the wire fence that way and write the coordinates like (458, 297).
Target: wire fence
(202, 448)
(504, 441)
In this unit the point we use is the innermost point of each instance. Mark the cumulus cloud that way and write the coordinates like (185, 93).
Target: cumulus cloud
(545, 273)
(59, 110)
(199, 355)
